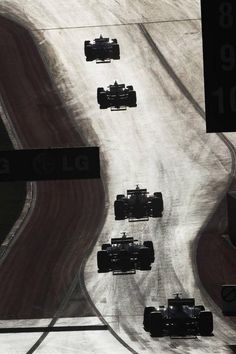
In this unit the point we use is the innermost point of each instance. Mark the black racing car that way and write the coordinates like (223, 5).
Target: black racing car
(137, 205)
(117, 96)
(102, 50)
(180, 317)
(125, 255)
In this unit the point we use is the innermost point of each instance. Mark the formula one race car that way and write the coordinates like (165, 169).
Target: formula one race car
(137, 205)
(180, 317)
(118, 97)
(125, 255)
(102, 49)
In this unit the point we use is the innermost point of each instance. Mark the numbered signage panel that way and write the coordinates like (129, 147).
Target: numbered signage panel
(219, 57)
(49, 164)
(228, 298)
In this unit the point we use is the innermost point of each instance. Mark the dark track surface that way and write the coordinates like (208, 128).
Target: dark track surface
(67, 216)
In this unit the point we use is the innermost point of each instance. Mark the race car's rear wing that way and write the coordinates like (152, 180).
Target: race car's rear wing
(120, 272)
(187, 302)
(103, 61)
(137, 191)
(122, 240)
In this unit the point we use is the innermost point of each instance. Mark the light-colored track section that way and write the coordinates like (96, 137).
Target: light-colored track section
(72, 13)
(67, 342)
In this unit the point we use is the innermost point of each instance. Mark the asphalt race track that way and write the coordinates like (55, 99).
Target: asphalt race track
(40, 264)
(161, 144)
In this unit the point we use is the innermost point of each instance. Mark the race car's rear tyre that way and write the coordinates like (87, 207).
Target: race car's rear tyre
(132, 100)
(119, 210)
(119, 196)
(145, 258)
(205, 323)
(157, 205)
(103, 261)
(89, 52)
(114, 40)
(156, 324)
(86, 43)
(146, 317)
(105, 246)
(149, 244)
(99, 90)
(130, 88)
(159, 196)
(116, 51)
(102, 100)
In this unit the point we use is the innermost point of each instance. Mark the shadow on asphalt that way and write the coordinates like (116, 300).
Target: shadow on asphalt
(53, 329)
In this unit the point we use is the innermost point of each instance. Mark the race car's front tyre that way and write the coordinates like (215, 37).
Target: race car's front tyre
(130, 88)
(149, 244)
(146, 317)
(156, 324)
(86, 43)
(132, 99)
(103, 261)
(119, 210)
(205, 323)
(105, 246)
(116, 51)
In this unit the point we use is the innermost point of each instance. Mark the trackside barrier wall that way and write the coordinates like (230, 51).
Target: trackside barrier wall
(231, 206)
(228, 298)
